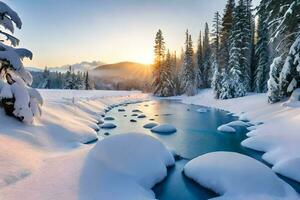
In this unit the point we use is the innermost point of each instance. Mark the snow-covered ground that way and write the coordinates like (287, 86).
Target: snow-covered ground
(46, 160)
(278, 135)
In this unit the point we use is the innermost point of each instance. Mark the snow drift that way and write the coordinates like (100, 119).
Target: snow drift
(125, 167)
(236, 176)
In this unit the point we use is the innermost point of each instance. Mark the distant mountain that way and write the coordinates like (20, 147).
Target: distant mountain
(82, 67)
(34, 69)
(123, 75)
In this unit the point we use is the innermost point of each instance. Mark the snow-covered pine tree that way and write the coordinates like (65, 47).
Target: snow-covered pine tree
(207, 75)
(69, 79)
(189, 82)
(274, 91)
(290, 74)
(200, 66)
(45, 84)
(159, 54)
(176, 74)
(290, 29)
(16, 95)
(216, 80)
(225, 31)
(240, 49)
(262, 53)
(166, 76)
(87, 85)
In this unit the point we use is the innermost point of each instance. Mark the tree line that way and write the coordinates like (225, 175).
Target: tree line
(248, 50)
(59, 80)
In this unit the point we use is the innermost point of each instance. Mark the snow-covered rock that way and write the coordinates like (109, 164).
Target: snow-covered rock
(236, 176)
(125, 167)
(108, 126)
(238, 123)
(150, 125)
(164, 129)
(109, 118)
(226, 128)
(136, 110)
(141, 116)
(121, 110)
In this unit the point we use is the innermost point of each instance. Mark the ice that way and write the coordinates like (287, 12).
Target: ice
(236, 176)
(164, 129)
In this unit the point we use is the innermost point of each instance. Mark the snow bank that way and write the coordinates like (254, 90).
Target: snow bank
(226, 128)
(236, 176)
(50, 149)
(278, 135)
(164, 129)
(125, 167)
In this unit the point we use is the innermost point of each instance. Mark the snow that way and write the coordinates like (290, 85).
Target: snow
(150, 125)
(236, 176)
(237, 123)
(141, 116)
(129, 165)
(108, 126)
(294, 100)
(289, 168)
(164, 128)
(226, 128)
(109, 118)
(34, 156)
(277, 134)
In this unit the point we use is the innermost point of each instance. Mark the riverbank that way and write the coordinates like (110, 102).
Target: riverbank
(45, 160)
(277, 135)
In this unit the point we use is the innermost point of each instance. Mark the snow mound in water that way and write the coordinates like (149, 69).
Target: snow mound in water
(236, 176)
(136, 111)
(150, 125)
(109, 118)
(141, 116)
(164, 128)
(125, 167)
(202, 110)
(290, 168)
(226, 128)
(108, 126)
(238, 123)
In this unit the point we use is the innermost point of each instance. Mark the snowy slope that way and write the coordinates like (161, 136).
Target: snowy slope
(278, 136)
(35, 157)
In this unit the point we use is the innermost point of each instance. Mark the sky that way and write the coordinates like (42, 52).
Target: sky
(60, 32)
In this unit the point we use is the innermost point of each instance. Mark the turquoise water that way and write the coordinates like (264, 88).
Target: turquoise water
(196, 135)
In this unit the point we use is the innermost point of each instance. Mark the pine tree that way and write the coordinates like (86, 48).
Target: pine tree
(87, 85)
(166, 77)
(200, 69)
(274, 91)
(207, 75)
(262, 53)
(216, 80)
(159, 53)
(17, 97)
(189, 82)
(240, 50)
(225, 32)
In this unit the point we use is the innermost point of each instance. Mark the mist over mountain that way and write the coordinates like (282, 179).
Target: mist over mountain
(81, 67)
